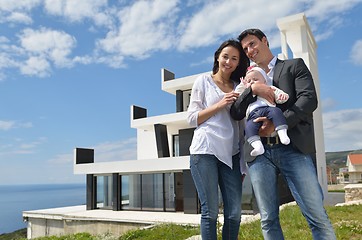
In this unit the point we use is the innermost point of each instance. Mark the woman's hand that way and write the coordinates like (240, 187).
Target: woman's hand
(206, 113)
(228, 98)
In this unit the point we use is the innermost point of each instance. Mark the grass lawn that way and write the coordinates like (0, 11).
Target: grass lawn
(346, 220)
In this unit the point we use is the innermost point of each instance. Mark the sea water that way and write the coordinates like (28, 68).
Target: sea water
(14, 199)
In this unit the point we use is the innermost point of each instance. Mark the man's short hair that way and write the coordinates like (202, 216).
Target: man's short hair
(251, 31)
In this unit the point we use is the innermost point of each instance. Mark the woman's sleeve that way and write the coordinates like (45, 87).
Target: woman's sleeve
(196, 102)
(238, 108)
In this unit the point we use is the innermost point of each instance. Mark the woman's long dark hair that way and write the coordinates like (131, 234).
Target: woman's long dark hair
(244, 62)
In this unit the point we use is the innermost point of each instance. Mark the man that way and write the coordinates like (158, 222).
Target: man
(294, 161)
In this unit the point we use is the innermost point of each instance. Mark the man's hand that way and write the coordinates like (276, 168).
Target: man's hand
(263, 91)
(267, 128)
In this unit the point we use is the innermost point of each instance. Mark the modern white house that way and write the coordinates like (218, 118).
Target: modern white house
(159, 179)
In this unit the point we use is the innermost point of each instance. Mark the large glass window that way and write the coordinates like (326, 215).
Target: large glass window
(170, 192)
(176, 145)
(152, 192)
(125, 192)
(131, 192)
(104, 191)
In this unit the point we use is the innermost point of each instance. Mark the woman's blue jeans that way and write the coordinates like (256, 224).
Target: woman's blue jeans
(300, 174)
(208, 173)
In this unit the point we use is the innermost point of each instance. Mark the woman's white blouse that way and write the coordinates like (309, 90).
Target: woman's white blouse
(218, 135)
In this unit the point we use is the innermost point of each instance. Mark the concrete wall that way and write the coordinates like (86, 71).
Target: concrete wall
(353, 192)
(146, 144)
(40, 227)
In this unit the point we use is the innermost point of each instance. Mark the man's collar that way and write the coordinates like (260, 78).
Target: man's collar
(272, 62)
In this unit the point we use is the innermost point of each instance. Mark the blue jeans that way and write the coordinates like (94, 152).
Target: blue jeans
(300, 174)
(208, 173)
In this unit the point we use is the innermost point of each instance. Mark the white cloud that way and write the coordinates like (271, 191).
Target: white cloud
(208, 60)
(17, 11)
(39, 50)
(4, 39)
(24, 5)
(74, 10)
(25, 125)
(7, 125)
(36, 66)
(322, 33)
(6, 54)
(116, 151)
(83, 59)
(328, 104)
(324, 10)
(105, 152)
(325, 17)
(78, 11)
(2, 76)
(19, 17)
(5, 60)
(342, 130)
(356, 53)
(145, 26)
(62, 159)
(32, 145)
(228, 18)
(50, 44)
(114, 61)
(137, 29)
(19, 146)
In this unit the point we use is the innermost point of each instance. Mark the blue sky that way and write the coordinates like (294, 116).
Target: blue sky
(70, 70)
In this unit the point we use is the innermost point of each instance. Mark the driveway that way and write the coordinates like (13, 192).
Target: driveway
(333, 198)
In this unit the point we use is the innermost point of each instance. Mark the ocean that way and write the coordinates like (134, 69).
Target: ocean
(14, 199)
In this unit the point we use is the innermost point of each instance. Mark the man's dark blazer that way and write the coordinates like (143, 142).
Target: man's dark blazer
(293, 77)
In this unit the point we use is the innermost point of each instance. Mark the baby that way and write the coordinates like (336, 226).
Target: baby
(262, 108)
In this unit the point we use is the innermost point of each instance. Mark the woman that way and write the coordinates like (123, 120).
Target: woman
(215, 149)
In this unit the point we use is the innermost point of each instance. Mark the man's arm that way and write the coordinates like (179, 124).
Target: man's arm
(306, 98)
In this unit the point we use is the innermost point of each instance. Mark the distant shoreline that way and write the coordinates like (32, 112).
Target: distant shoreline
(39, 184)
(17, 198)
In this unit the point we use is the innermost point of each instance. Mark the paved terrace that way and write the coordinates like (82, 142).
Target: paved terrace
(80, 213)
(69, 220)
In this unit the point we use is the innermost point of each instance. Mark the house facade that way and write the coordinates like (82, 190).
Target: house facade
(159, 179)
(342, 175)
(354, 165)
